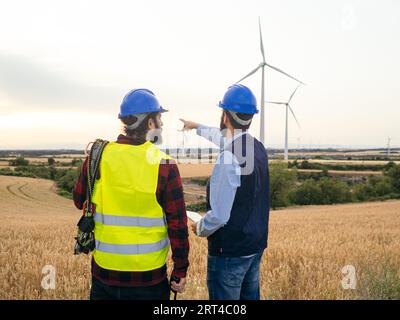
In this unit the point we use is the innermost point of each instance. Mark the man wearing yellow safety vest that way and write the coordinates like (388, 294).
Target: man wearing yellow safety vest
(139, 209)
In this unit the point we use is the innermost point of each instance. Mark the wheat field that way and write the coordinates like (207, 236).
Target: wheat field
(308, 247)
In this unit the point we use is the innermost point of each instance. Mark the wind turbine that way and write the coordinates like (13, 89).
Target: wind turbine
(261, 66)
(388, 148)
(183, 132)
(288, 107)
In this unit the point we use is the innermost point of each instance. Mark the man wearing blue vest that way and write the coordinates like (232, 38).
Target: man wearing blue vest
(236, 222)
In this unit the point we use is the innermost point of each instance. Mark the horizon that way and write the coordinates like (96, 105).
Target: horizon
(303, 147)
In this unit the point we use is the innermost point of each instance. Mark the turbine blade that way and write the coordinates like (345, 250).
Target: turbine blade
(249, 74)
(290, 99)
(288, 75)
(274, 102)
(291, 110)
(261, 40)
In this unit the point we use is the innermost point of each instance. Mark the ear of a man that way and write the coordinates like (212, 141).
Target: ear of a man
(150, 124)
(226, 119)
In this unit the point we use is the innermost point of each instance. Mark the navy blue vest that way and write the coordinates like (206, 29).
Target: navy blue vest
(246, 232)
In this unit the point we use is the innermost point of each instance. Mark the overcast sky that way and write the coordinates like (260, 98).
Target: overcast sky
(66, 65)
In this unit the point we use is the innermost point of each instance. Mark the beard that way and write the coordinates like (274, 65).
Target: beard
(155, 135)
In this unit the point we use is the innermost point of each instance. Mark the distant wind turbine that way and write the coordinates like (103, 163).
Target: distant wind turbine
(262, 65)
(288, 107)
(388, 148)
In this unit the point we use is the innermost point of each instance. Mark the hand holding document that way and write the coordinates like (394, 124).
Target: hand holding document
(194, 216)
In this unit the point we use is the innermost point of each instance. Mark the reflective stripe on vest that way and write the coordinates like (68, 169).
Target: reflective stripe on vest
(132, 248)
(130, 227)
(112, 220)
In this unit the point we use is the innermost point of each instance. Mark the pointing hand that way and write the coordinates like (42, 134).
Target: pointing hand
(188, 125)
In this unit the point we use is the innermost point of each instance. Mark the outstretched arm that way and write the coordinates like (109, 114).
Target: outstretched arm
(210, 133)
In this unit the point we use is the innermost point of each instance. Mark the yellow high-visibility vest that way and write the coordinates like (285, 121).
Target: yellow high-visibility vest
(130, 226)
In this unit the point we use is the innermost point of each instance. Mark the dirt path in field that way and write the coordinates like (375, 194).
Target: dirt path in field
(194, 193)
(17, 190)
(36, 195)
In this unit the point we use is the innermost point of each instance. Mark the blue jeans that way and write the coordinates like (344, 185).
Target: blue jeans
(234, 278)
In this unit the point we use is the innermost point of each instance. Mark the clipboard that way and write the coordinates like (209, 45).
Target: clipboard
(194, 216)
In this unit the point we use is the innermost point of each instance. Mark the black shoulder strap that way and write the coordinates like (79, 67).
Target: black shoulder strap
(93, 168)
(95, 156)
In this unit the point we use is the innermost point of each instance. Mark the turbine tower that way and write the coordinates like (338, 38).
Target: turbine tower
(288, 107)
(388, 148)
(183, 145)
(262, 65)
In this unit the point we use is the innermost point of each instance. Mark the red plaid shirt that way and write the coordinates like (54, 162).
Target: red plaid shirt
(170, 197)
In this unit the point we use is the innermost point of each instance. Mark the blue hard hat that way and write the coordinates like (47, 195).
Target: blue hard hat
(240, 99)
(139, 101)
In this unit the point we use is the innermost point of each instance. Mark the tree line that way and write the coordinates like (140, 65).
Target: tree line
(286, 189)
(290, 188)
